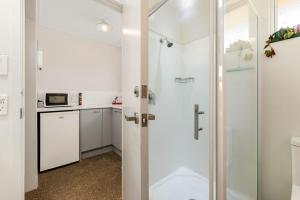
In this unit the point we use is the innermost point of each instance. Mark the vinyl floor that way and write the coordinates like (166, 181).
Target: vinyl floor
(97, 178)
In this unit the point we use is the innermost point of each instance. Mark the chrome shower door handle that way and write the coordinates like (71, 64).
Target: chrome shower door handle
(196, 121)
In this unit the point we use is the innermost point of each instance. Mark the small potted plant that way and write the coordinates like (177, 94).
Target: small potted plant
(282, 34)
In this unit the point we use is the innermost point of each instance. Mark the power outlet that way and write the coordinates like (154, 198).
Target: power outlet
(3, 104)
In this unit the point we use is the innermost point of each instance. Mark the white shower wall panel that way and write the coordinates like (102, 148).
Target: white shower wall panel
(196, 64)
(165, 133)
(172, 143)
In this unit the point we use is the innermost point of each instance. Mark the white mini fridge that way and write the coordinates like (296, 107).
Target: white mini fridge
(59, 139)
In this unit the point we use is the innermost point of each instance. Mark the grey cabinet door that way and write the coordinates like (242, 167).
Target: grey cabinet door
(107, 127)
(90, 129)
(117, 128)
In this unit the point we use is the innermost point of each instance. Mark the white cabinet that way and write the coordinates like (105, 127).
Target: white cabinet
(107, 127)
(117, 128)
(90, 129)
(59, 139)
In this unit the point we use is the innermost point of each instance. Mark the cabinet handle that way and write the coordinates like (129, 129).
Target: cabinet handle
(61, 117)
(96, 112)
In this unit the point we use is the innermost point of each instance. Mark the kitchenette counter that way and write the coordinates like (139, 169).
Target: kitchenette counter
(84, 107)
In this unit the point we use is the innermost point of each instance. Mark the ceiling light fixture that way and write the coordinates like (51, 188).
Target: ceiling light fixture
(103, 26)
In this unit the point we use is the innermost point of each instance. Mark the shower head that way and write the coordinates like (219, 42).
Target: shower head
(170, 44)
(167, 42)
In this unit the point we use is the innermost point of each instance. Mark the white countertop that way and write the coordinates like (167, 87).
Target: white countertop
(84, 107)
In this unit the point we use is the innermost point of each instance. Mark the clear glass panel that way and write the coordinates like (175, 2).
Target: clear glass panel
(288, 13)
(179, 80)
(240, 99)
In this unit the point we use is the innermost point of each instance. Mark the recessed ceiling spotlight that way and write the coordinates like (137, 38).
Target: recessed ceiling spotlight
(103, 26)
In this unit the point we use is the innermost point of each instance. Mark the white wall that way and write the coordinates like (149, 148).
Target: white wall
(171, 135)
(172, 143)
(74, 63)
(280, 118)
(11, 134)
(165, 64)
(195, 57)
(80, 18)
(71, 64)
(279, 114)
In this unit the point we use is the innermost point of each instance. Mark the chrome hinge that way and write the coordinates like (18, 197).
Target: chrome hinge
(144, 92)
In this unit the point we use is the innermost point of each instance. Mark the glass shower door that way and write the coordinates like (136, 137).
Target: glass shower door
(240, 78)
(179, 51)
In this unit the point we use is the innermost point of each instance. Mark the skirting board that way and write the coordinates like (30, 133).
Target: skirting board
(117, 151)
(100, 151)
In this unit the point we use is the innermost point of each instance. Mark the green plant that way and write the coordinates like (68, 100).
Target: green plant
(282, 34)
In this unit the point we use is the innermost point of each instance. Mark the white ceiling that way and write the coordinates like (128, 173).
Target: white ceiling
(80, 17)
(153, 3)
(182, 20)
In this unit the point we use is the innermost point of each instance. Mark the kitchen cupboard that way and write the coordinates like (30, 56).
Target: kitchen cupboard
(90, 129)
(117, 128)
(100, 128)
(107, 127)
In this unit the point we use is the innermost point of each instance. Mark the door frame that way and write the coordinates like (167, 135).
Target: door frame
(220, 139)
(22, 92)
(216, 155)
(213, 101)
(15, 119)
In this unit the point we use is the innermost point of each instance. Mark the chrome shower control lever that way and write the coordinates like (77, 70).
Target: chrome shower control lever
(196, 121)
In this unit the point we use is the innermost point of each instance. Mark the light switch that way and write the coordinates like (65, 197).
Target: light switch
(3, 104)
(3, 64)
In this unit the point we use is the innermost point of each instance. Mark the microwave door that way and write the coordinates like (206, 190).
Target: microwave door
(56, 99)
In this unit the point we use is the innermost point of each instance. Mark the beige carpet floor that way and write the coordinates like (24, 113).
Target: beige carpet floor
(97, 178)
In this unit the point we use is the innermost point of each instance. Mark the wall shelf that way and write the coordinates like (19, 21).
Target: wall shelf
(240, 68)
(184, 80)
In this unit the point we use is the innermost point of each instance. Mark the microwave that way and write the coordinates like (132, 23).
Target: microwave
(57, 100)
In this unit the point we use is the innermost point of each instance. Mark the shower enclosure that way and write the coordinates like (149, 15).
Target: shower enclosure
(184, 82)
